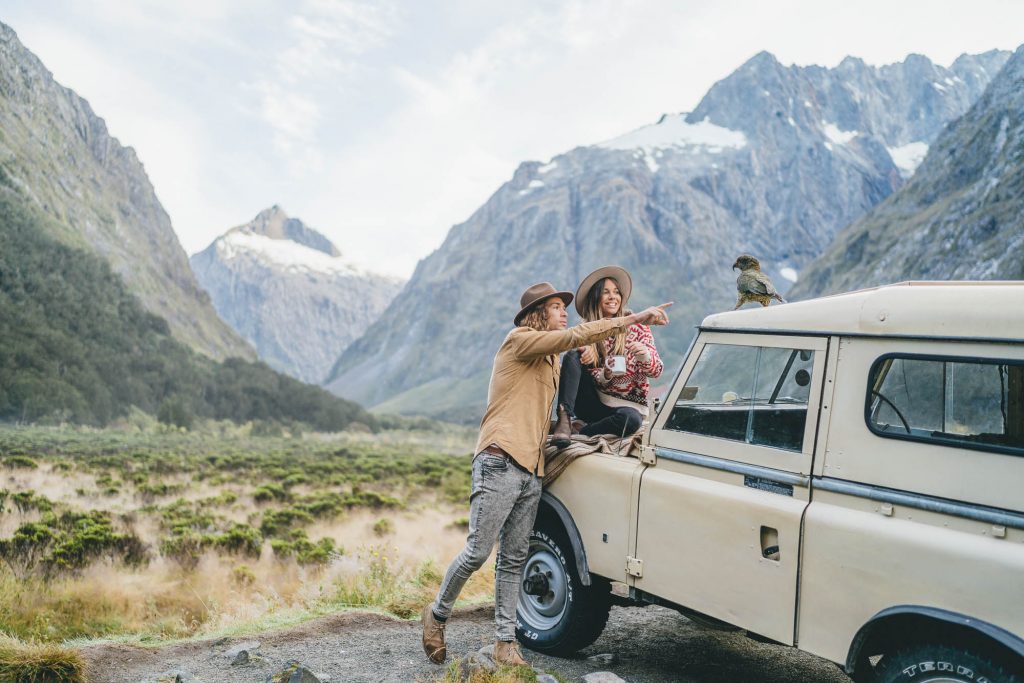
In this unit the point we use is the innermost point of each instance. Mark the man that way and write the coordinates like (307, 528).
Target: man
(509, 461)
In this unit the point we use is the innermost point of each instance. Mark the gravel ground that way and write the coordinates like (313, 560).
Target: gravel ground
(652, 645)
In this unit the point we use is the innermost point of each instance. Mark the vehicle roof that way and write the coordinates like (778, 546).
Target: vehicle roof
(961, 309)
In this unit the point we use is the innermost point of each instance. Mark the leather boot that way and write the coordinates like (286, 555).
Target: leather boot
(433, 637)
(560, 438)
(507, 653)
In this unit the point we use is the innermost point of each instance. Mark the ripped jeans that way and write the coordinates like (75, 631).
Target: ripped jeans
(502, 509)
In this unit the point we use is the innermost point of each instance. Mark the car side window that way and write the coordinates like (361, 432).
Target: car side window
(963, 402)
(754, 394)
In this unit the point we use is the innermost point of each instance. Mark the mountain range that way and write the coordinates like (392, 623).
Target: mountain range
(961, 217)
(775, 160)
(285, 289)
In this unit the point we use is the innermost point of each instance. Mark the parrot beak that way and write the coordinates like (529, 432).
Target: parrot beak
(736, 265)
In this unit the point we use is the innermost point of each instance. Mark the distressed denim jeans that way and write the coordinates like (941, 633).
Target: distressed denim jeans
(502, 509)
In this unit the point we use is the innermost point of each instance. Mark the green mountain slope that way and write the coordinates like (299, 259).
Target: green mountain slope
(960, 217)
(76, 345)
(59, 155)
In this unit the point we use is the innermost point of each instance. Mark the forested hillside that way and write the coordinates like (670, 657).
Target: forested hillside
(76, 346)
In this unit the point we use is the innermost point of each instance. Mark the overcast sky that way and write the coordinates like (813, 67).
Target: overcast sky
(381, 124)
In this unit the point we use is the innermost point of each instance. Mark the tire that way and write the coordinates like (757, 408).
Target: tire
(568, 616)
(940, 664)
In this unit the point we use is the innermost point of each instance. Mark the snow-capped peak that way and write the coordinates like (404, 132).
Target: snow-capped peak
(282, 254)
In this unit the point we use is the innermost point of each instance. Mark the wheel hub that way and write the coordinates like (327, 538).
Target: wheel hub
(543, 600)
(536, 584)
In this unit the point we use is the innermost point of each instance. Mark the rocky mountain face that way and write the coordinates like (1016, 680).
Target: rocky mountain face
(285, 288)
(774, 161)
(56, 154)
(960, 217)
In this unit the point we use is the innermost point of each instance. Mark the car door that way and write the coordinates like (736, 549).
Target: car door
(718, 517)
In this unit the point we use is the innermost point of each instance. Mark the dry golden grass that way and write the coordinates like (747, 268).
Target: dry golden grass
(225, 593)
(390, 553)
(457, 672)
(32, 662)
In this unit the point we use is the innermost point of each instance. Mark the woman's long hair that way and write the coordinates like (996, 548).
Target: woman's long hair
(592, 312)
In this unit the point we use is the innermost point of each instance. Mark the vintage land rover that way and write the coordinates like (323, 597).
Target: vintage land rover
(843, 475)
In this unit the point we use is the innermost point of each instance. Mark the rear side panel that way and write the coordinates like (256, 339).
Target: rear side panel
(863, 556)
(895, 522)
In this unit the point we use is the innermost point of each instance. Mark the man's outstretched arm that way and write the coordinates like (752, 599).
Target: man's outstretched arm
(529, 344)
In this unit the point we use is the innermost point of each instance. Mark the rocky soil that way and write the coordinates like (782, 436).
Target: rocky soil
(640, 645)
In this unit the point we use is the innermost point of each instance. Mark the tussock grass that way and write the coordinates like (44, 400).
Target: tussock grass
(34, 662)
(456, 672)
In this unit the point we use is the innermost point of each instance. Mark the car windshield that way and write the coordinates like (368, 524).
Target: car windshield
(747, 393)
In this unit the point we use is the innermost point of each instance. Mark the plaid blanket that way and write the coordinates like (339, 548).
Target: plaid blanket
(557, 459)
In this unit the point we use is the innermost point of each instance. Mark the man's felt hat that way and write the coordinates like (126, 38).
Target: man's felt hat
(537, 293)
(617, 273)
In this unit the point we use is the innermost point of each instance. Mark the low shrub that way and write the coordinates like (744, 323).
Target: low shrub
(68, 542)
(243, 575)
(30, 500)
(268, 492)
(276, 522)
(186, 549)
(20, 461)
(305, 551)
(240, 538)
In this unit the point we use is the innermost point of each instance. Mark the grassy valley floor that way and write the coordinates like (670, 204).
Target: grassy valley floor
(147, 534)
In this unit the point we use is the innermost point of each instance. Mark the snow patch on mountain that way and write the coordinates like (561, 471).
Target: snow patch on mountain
(282, 254)
(674, 131)
(908, 157)
(840, 137)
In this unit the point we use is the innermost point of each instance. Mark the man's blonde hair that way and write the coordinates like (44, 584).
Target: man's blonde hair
(537, 317)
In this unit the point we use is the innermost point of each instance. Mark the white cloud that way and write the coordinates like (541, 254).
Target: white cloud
(324, 40)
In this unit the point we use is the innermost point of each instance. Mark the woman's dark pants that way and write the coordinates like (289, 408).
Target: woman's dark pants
(578, 393)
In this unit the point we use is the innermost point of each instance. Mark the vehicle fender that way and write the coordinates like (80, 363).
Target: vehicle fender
(562, 513)
(888, 617)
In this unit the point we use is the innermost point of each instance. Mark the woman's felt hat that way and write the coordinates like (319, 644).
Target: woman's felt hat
(617, 273)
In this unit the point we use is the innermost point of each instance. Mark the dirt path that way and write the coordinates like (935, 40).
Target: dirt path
(652, 644)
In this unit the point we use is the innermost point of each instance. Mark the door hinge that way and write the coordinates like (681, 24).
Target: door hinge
(634, 567)
(647, 455)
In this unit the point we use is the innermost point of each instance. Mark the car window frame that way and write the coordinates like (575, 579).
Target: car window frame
(934, 441)
(739, 451)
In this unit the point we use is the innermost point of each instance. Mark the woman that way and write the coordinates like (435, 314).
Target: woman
(588, 390)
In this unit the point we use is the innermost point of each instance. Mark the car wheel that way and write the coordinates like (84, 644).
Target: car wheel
(557, 614)
(940, 664)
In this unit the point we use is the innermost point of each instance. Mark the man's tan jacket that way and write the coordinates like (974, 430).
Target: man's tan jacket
(523, 385)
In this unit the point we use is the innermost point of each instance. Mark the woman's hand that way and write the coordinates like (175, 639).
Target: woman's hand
(640, 352)
(588, 356)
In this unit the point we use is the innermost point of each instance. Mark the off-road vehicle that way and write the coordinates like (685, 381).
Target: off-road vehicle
(843, 475)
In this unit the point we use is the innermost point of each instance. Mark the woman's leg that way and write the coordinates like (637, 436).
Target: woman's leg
(616, 422)
(569, 380)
